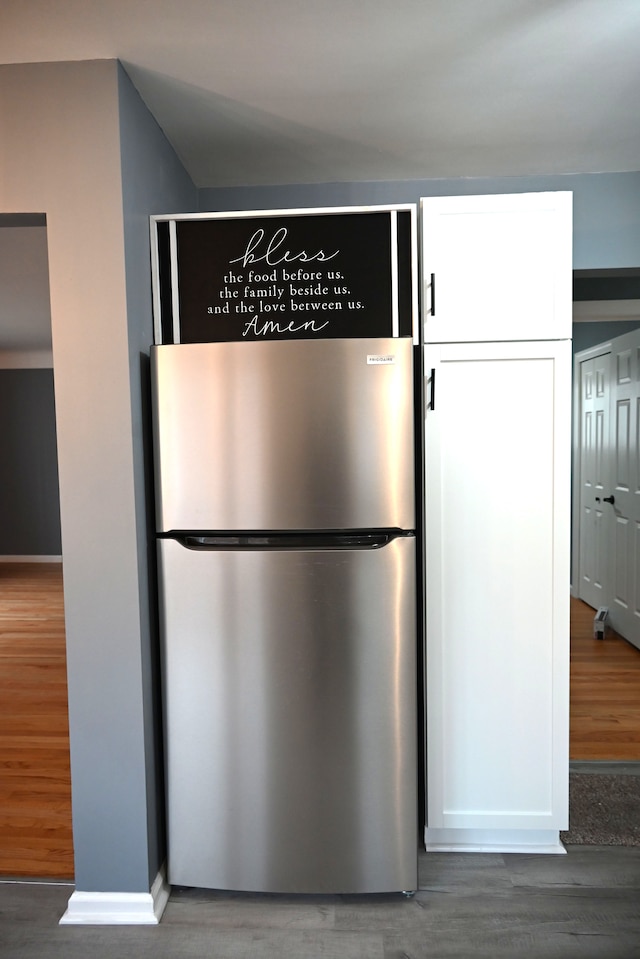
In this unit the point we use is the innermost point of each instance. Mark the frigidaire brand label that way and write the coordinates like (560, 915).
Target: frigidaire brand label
(380, 359)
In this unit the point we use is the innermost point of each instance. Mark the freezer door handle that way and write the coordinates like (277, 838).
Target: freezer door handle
(303, 541)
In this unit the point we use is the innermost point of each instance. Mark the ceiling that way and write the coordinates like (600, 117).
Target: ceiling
(295, 91)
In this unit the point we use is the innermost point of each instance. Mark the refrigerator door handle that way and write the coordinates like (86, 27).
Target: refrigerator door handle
(289, 541)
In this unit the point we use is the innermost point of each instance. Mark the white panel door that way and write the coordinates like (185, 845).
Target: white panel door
(595, 519)
(607, 558)
(497, 585)
(624, 604)
(497, 267)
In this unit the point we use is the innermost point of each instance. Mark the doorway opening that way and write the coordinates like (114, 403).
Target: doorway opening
(605, 660)
(35, 789)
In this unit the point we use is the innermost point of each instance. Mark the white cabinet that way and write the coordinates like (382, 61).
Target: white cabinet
(497, 515)
(497, 267)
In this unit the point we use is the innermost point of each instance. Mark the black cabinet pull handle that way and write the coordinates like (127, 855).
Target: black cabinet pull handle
(433, 294)
(609, 499)
(432, 402)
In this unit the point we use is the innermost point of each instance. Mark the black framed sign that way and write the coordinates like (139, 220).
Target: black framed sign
(348, 272)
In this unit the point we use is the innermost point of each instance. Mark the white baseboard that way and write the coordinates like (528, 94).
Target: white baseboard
(542, 841)
(118, 908)
(30, 559)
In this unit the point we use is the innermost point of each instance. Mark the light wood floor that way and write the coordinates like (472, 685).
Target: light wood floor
(605, 692)
(35, 782)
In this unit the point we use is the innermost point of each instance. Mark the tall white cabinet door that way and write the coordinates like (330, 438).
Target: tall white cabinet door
(497, 591)
(497, 267)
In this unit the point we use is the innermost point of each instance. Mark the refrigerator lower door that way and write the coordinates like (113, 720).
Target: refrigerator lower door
(290, 712)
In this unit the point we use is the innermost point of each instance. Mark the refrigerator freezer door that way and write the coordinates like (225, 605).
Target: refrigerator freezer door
(290, 710)
(290, 434)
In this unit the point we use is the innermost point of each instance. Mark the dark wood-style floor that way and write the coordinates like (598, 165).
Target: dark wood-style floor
(35, 786)
(469, 906)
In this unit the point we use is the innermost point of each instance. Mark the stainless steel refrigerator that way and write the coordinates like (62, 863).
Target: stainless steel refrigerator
(287, 565)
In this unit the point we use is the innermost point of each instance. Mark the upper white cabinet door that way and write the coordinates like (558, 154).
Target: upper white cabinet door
(497, 267)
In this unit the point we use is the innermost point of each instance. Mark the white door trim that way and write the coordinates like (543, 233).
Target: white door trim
(589, 354)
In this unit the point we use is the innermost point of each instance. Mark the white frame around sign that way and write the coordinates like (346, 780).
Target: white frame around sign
(172, 219)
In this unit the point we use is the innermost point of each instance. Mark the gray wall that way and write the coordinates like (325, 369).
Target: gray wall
(153, 181)
(29, 496)
(76, 182)
(606, 205)
(105, 167)
(591, 334)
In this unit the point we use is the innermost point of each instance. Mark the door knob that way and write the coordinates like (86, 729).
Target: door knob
(609, 499)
